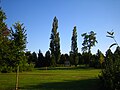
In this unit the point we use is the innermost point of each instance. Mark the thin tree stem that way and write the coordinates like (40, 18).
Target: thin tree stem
(115, 41)
(17, 78)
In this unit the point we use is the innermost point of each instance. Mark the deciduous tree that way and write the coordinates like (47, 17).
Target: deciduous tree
(55, 43)
(74, 48)
(88, 42)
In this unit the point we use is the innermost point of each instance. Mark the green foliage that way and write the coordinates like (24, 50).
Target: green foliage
(13, 44)
(99, 62)
(74, 49)
(55, 42)
(81, 61)
(47, 58)
(86, 58)
(19, 37)
(40, 61)
(110, 75)
(107, 73)
(111, 35)
(92, 62)
(29, 57)
(62, 59)
(52, 61)
(5, 43)
(89, 41)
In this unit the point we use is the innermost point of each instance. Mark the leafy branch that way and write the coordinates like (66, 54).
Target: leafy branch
(111, 35)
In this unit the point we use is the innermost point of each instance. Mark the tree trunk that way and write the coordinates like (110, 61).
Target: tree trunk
(17, 78)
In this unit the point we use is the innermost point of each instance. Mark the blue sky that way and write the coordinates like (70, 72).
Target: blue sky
(99, 16)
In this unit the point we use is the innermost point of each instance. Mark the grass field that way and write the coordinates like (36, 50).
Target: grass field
(59, 79)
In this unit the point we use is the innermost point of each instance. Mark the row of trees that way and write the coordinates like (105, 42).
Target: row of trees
(96, 60)
(13, 44)
(39, 60)
(88, 43)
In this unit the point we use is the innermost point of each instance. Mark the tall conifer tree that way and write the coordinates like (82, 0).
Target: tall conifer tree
(55, 43)
(74, 48)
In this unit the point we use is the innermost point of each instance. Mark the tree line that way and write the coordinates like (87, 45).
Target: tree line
(53, 56)
(13, 44)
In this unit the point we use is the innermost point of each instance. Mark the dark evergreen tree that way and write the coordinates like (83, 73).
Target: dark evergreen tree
(28, 56)
(74, 48)
(41, 60)
(85, 58)
(55, 43)
(52, 60)
(62, 59)
(92, 61)
(47, 58)
(80, 59)
(67, 57)
(34, 58)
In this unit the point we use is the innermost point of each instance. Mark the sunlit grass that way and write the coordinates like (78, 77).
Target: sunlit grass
(72, 79)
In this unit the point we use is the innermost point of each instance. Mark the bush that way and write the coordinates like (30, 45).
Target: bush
(22, 67)
(30, 67)
(6, 69)
(26, 67)
(110, 75)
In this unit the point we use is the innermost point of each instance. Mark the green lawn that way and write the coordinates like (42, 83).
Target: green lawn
(62, 79)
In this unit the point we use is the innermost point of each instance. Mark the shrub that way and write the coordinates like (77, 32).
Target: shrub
(110, 75)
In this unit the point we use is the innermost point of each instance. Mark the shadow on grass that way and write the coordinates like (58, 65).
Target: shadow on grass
(88, 84)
